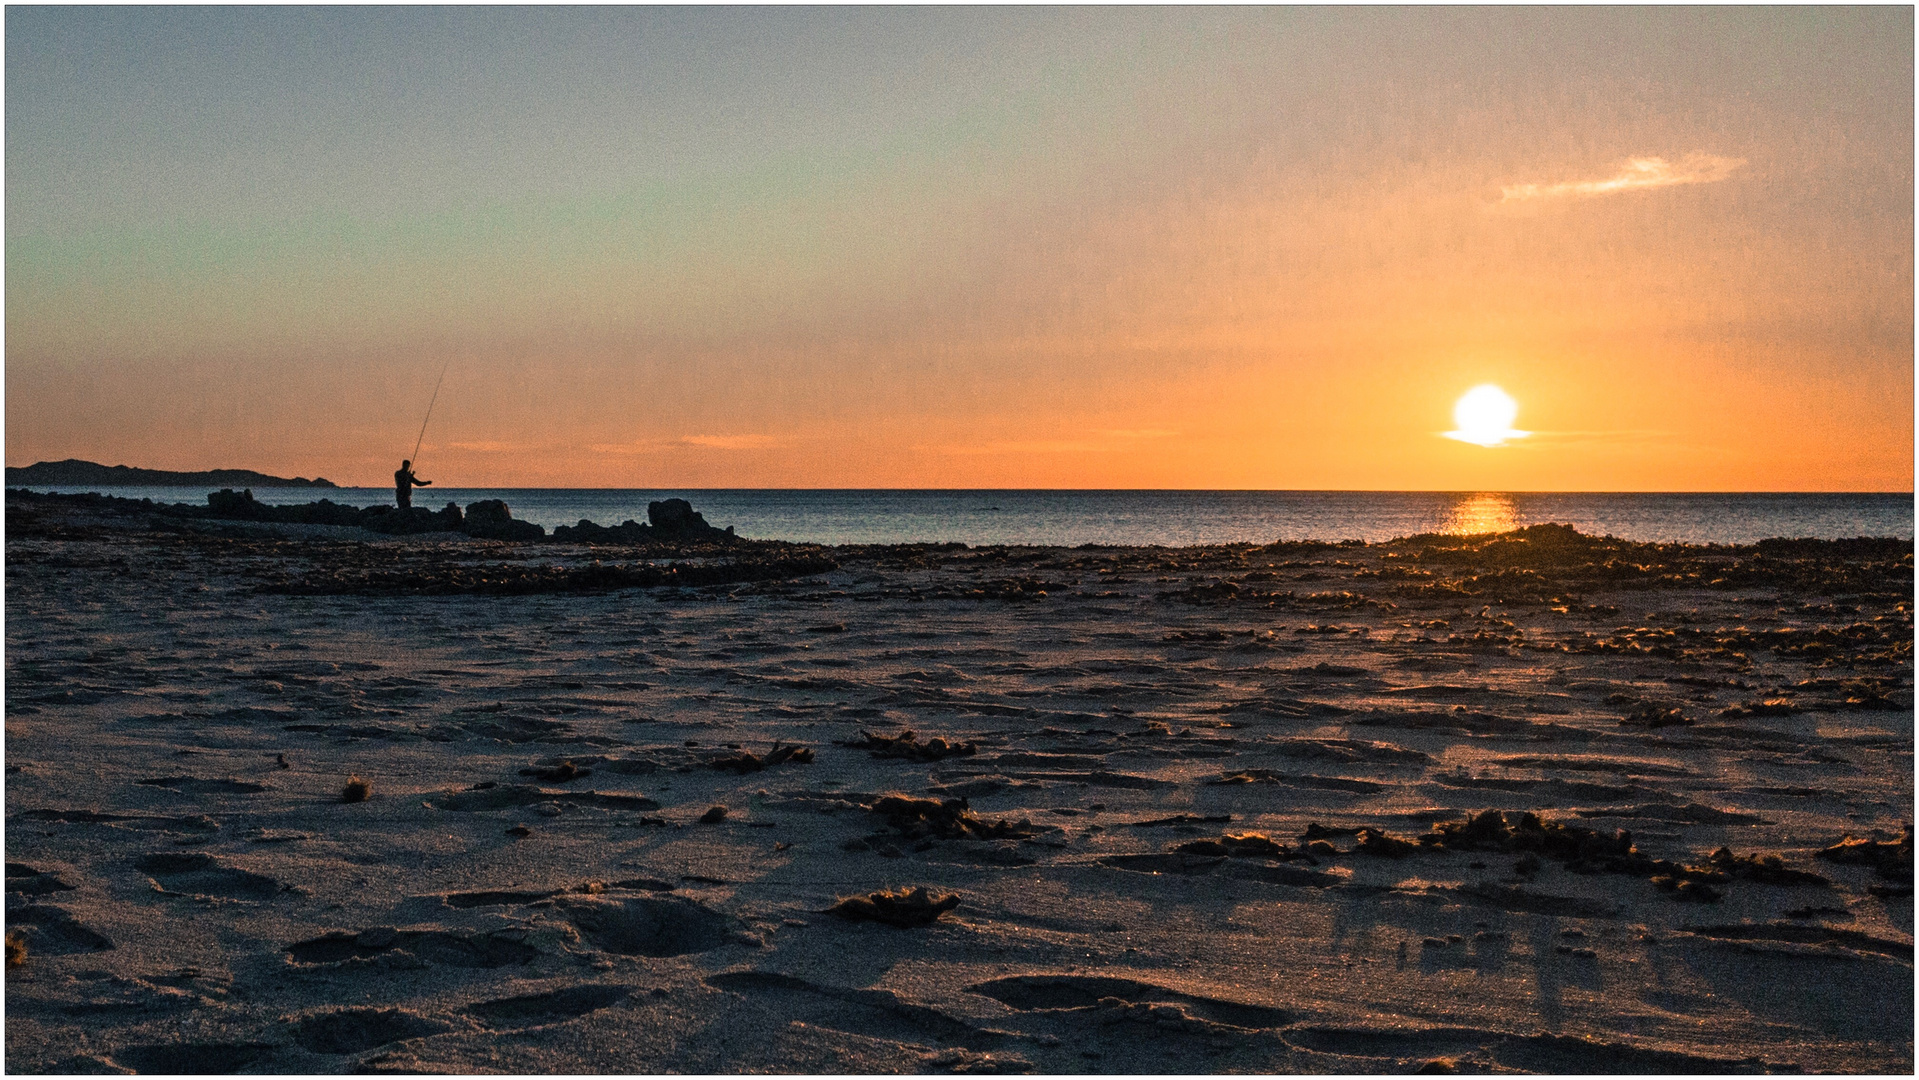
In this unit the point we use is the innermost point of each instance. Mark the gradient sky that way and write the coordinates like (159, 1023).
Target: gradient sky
(966, 247)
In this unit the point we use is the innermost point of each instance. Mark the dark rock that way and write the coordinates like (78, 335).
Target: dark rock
(491, 519)
(670, 521)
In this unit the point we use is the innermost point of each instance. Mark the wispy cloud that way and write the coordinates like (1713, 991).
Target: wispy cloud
(1100, 441)
(1636, 174)
(487, 447)
(731, 442)
(1037, 446)
(705, 442)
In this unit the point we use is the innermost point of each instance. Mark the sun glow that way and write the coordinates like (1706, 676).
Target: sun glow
(1484, 417)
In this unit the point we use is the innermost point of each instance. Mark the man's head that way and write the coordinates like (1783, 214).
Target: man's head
(406, 464)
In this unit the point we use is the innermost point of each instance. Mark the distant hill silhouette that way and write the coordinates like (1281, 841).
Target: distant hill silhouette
(73, 472)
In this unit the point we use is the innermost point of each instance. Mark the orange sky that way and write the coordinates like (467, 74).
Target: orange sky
(1204, 248)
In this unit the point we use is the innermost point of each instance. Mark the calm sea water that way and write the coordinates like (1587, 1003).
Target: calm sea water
(1170, 518)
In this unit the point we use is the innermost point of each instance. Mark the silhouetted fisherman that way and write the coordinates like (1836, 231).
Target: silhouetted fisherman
(404, 482)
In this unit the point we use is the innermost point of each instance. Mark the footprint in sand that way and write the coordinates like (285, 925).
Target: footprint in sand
(194, 785)
(350, 1031)
(646, 926)
(553, 1007)
(26, 880)
(52, 931)
(191, 1059)
(199, 874)
(426, 946)
(1048, 993)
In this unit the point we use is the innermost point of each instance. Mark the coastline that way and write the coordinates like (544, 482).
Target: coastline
(1125, 708)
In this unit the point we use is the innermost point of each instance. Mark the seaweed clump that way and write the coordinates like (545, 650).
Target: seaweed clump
(1891, 858)
(1242, 846)
(1765, 869)
(745, 761)
(1590, 851)
(1379, 845)
(906, 746)
(557, 774)
(902, 908)
(950, 819)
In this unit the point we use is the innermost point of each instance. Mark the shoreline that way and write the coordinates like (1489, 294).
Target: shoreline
(1208, 809)
(1048, 518)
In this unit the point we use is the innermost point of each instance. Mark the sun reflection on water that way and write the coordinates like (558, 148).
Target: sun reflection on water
(1484, 512)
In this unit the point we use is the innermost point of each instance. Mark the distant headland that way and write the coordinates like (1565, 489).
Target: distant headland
(75, 471)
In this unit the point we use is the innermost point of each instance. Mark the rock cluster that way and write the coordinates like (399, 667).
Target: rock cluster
(670, 520)
(488, 519)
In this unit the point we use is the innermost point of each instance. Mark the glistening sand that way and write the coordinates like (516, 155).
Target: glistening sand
(189, 905)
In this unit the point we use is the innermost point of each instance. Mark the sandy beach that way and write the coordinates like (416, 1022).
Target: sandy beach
(1199, 810)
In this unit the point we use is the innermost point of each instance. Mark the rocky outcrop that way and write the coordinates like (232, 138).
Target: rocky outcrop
(491, 519)
(675, 519)
(668, 521)
(76, 473)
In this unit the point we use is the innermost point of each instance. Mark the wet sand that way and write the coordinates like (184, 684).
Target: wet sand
(1174, 810)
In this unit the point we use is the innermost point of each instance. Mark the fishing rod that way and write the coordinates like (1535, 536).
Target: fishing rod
(429, 411)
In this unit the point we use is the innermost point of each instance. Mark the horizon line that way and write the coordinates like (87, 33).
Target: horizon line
(1140, 490)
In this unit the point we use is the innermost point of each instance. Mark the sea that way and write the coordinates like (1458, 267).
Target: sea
(1163, 518)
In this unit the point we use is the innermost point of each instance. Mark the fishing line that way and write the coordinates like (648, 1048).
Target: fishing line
(429, 411)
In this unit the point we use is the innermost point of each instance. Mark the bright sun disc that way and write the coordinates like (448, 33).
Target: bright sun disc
(1484, 417)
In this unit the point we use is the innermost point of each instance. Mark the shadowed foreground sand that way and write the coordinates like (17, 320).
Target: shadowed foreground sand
(1223, 807)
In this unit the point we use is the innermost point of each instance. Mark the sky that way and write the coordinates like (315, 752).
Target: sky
(965, 247)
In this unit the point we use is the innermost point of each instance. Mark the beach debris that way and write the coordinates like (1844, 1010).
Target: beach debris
(949, 819)
(1648, 714)
(1777, 706)
(1686, 890)
(1589, 851)
(16, 948)
(519, 832)
(356, 790)
(1183, 819)
(1240, 846)
(713, 816)
(557, 774)
(1765, 869)
(1891, 858)
(745, 761)
(902, 908)
(906, 746)
(400, 578)
(489, 795)
(1248, 776)
(1376, 843)
(280, 762)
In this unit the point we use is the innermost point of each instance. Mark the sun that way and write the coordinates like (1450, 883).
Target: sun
(1484, 417)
